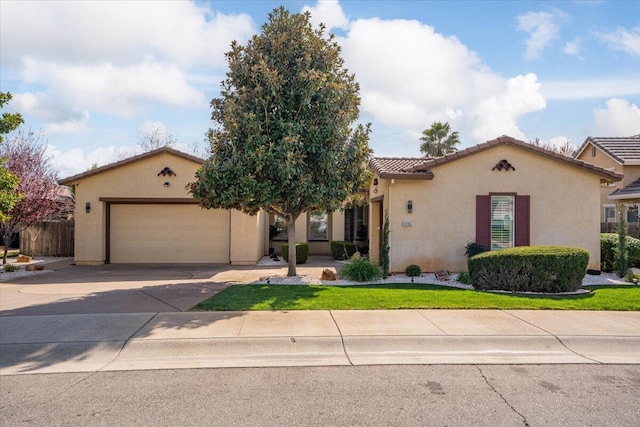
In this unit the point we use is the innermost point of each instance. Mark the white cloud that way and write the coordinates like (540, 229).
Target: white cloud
(120, 91)
(619, 118)
(624, 40)
(75, 161)
(119, 32)
(116, 58)
(498, 114)
(595, 88)
(427, 77)
(541, 29)
(573, 47)
(328, 12)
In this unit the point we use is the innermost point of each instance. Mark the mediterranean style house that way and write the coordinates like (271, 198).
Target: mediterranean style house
(501, 193)
(139, 211)
(622, 155)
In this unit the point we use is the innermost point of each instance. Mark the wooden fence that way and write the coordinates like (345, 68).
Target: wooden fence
(50, 238)
(633, 228)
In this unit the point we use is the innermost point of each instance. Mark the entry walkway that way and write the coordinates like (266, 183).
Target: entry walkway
(135, 341)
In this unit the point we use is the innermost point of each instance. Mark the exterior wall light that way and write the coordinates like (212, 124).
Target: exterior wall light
(410, 206)
(375, 181)
(87, 207)
(167, 184)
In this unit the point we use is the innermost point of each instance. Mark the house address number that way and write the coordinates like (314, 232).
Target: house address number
(407, 223)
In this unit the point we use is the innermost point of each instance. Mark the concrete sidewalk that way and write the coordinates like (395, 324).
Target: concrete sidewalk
(135, 341)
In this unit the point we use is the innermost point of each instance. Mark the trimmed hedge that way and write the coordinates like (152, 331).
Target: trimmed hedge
(340, 247)
(548, 269)
(302, 252)
(608, 247)
(413, 270)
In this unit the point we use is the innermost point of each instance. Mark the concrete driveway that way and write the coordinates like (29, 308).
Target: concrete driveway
(124, 288)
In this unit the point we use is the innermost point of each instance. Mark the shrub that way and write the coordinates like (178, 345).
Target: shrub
(10, 268)
(342, 250)
(464, 278)
(608, 247)
(530, 269)
(384, 246)
(413, 270)
(302, 252)
(474, 248)
(361, 270)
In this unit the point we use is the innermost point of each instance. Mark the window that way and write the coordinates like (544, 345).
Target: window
(280, 228)
(318, 226)
(632, 213)
(609, 214)
(503, 221)
(502, 216)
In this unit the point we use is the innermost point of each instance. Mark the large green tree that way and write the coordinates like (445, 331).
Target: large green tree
(8, 181)
(438, 140)
(284, 137)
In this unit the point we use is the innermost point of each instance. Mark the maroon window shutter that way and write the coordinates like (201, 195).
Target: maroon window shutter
(522, 221)
(483, 220)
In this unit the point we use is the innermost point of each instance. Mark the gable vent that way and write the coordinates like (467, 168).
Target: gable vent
(166, 172)
(503, 165)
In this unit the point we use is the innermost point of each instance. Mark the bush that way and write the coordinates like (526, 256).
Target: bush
(530, 269)
(10, 268)
(361, 270)
(342, 250)
(464, 278)
(608, 247)
(413, 270)
(302, 252)
(474, 248)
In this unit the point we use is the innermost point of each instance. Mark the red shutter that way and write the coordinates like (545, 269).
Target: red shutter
(522, 221)
(483, 220)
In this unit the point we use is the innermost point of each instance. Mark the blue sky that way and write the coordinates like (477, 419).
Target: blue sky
(93, 75)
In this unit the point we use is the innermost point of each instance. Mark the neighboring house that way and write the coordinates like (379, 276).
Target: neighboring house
(501, 193)
(622, 155)
(139, 211)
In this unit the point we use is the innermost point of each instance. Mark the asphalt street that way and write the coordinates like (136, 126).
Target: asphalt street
(442, 395)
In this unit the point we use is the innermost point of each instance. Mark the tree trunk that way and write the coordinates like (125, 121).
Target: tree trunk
(291, 233)
(6, 239)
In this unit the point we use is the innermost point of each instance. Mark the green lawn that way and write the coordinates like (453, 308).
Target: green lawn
(396, 296)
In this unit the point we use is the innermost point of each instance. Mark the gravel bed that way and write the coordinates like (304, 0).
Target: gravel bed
(6, 276)
(425, 278)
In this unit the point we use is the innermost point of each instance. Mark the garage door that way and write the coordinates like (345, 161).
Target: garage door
(168, 234)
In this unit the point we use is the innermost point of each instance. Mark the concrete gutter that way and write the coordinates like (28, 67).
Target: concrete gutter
(138, 341)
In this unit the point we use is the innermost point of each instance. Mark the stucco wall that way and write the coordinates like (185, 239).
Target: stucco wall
(564, 208)
(140, 180)
(603, 160)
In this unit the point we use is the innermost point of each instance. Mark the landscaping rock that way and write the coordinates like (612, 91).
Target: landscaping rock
(356, 255)
(442, 276)
(634, 271)
(23, 258)
(328, 275)
(34, 267)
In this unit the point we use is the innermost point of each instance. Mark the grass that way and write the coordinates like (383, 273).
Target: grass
(398, 296)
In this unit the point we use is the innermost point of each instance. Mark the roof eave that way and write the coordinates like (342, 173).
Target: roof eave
(409, 176)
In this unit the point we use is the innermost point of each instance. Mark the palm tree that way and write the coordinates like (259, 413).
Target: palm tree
(438, 140)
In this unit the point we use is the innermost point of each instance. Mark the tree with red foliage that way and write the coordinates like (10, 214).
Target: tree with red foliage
(42, 196)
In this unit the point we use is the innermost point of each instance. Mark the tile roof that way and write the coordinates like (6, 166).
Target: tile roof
(398, 167)
(405, 168)
(631, 191)
(91, 172)
(624, 150)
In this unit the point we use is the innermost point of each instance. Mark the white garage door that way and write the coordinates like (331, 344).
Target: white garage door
(168, 234)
